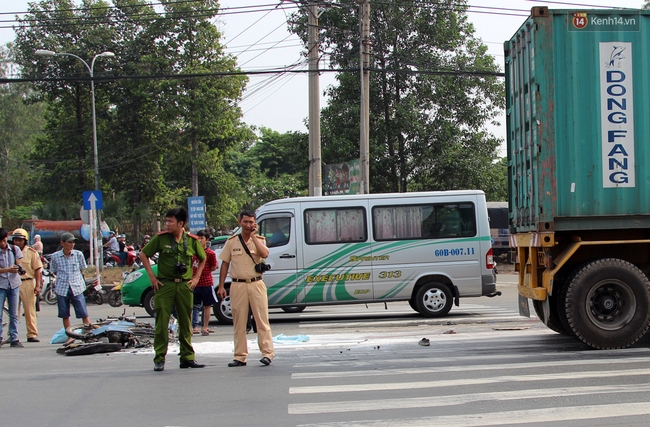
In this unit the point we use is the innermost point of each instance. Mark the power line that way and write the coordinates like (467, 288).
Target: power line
(267, 50)
(78, 9)
(241, 73)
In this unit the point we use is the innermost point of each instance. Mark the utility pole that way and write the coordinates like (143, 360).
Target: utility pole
(364, 145)
(315, 173)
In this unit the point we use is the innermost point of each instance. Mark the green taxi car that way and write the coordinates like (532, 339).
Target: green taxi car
(137, 290)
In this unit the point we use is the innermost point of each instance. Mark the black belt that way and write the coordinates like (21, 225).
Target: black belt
(29, 278)
(171, 280)
(254, 279)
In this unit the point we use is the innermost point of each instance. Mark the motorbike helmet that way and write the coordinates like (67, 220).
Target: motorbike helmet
(20, 233)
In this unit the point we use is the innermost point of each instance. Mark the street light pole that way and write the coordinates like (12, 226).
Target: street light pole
(95, 246)
(90, 68)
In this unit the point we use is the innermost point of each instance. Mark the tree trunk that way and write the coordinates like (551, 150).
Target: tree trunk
(195, 173)
(137, 219)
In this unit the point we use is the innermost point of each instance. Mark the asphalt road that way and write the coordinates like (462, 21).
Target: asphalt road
(357, 367)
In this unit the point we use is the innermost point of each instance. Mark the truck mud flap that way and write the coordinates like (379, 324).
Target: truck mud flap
(524, 309)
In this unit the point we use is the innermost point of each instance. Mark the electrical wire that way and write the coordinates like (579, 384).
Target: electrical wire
(265, 51)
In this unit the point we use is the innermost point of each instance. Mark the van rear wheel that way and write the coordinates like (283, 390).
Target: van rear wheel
(433, 299)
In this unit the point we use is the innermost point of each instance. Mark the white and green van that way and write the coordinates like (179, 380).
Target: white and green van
(428, 248)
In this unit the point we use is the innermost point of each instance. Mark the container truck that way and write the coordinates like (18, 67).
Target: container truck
(578, 143)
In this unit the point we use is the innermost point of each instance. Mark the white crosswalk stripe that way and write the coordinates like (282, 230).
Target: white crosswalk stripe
(564, 414)
(463, 313)
(480, 380)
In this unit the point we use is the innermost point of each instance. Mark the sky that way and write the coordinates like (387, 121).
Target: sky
(261, 41)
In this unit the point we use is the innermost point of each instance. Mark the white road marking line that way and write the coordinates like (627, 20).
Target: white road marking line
(463, 368)
(348, 388)
(459, 399)
(482, 357)
(523, 417)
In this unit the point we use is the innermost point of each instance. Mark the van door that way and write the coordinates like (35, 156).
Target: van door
(280, 232)
(337, 254)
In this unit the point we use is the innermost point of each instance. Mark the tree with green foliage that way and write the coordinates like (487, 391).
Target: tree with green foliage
(280, 154)
(274, 167)
(160, 139)
(432, 93)
(20, 123)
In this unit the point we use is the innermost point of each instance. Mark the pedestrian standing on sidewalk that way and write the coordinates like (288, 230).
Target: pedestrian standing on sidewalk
(247, 288)
(9, 286)
(68, 265)
(174, 285)
(31, 281)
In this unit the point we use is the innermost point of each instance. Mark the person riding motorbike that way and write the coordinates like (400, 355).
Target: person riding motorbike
(121, 241)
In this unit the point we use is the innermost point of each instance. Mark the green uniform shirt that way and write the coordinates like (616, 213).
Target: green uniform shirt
(171, 254)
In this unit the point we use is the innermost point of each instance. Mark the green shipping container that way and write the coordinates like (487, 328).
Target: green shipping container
(578, 120)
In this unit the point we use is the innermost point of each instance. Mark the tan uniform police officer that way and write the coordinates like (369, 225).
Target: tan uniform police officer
(31, 281)
(247, 289)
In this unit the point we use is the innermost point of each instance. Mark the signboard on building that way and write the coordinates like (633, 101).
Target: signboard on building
(342, 178)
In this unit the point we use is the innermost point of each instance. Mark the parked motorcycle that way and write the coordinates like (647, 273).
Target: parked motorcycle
(47, 293)
(115, 296)
(47, 290)
(94, 292)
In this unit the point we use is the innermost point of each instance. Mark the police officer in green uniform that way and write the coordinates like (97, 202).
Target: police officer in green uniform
(174, 285)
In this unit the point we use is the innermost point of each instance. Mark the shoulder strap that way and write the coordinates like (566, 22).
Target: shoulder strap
(172, 241)
(13, 249)
(241, 239)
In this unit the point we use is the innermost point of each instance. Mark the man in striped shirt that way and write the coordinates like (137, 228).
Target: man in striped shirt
(68, 264)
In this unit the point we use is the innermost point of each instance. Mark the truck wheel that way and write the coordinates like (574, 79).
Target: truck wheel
(607, 304)
(554, 323)
(222, 310)
(433, 299)
(147, 302)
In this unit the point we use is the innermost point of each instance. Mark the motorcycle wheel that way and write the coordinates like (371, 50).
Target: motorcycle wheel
(115, 298)
(98, 298)
(49, 296)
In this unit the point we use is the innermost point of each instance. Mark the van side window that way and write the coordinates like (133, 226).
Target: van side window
(276, 230)
(335, 225)
(431, 221)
